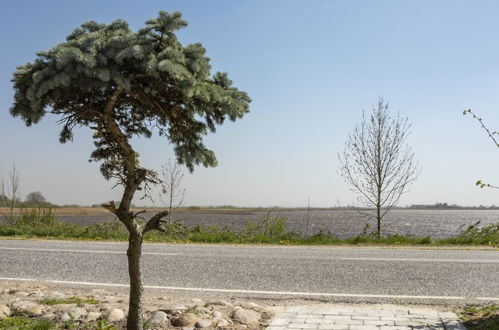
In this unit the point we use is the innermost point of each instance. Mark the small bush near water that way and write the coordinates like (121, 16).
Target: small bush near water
(474, 235)
(270, 229)
(43, 223)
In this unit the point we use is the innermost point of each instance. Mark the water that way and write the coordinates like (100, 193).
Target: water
(340, 223)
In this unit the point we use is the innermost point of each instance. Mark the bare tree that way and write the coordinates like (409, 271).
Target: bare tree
(492, 135)
(377, 163)
(172, 194)
(9, 193)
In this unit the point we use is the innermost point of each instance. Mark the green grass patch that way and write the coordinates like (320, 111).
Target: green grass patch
(25, 323)
(480, 318)
(70, 300)
(270, 229)
(21, 322)
(192, 310)
(104, 325)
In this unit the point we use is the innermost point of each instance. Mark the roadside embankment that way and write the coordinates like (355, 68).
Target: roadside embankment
(270, 229)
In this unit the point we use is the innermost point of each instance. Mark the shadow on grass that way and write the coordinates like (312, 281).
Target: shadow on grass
(490, 322)
(481, 317)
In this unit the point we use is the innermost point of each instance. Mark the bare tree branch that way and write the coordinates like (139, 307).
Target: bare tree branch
(492, 135)
(155, 222)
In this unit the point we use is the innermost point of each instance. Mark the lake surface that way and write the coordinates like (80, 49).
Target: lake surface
(340, 223)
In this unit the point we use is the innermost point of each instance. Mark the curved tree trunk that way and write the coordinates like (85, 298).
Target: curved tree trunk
(134, 252)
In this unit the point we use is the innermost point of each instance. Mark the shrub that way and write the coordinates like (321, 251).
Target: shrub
(475, 235)
(39, 222)
(272, 227)
(113, 230)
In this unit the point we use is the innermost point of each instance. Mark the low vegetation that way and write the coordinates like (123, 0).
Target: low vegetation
(70, 300)
(26, 323)
(270, 229)
(476, 235)
(481, 318)
(21, 322)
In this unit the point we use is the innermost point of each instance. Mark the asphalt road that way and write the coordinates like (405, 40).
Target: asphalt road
(332, 274)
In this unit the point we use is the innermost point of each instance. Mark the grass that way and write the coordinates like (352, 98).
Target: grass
(20, 322)
(270, 229)
(481, 318)
(192, 310)
(25, 323)
(71, 300)
(104, 325)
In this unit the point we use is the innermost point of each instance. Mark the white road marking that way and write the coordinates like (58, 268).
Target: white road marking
(426, 260)
(86, 251)
(487, 298)
(282, 293)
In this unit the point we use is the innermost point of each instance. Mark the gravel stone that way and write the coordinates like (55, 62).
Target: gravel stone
(4, 311)
(185, 320)
(77, 312)
(222, 323)
(49, 316)
(220, 303)
(23, 305)
(35, 310)
(36, 294)
(203, 323)
(250, 305)
(115, 315)
(158, 317)
(92, 316)
(246, 316)
(217, 315)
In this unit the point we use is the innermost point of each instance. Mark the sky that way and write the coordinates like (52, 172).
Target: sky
(311, 68)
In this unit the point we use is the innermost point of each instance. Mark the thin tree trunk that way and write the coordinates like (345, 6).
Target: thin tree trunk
(134, 252)
(378, 218)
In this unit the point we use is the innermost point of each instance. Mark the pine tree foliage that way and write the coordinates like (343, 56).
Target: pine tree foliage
(158, 85)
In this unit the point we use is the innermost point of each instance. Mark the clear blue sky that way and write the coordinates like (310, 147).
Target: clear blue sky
(310, 67)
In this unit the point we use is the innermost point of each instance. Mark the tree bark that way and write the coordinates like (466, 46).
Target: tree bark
(378, 217)
(133, 181)
(134, 252)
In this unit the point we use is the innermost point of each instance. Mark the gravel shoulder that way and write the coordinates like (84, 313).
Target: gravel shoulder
(167, 310)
